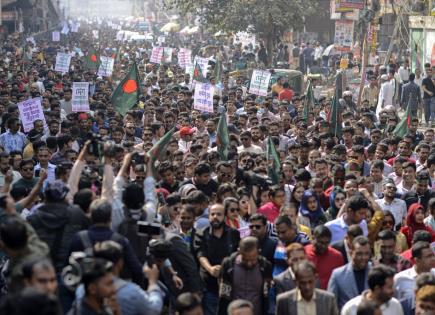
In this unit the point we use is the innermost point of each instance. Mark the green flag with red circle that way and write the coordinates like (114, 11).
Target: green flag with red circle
(92, 61)
(127, 92)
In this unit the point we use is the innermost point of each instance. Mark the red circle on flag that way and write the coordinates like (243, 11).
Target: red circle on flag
(94, 58)
(129, 86)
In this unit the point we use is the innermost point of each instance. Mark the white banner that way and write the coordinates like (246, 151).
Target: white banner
(31, 110)
(202, 63)
(156, 55)
(184, 57)
(63, 61)
(259, 82)
(95, 34)
(80, 97)
(167, 55)
(203, 98)
(106, 66)
(55, 36)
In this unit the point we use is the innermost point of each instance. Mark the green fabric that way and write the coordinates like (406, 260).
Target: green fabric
(335, 118)
(223, 138)
(197, 74)
(309, 101)
(159, 148)
(92, 61)
(127, 92)
(274, 165)
(402, 127)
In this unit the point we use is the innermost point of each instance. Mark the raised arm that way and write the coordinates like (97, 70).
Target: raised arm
(76, 171)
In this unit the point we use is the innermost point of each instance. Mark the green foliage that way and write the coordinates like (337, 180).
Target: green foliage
(266, 16)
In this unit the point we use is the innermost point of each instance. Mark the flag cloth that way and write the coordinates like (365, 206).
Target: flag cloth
(197, 74)
(334, 118)
(127, 92)
(309, 101)
(402, 128)
(217, 73)
(92, 61)
(223, 138)
(159, 149)
(273, 163)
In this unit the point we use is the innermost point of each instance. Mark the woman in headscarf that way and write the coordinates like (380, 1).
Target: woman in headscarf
(415, 222)
(310, 212)
(336, 201)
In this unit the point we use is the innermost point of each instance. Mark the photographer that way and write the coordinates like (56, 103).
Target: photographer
(132, 300)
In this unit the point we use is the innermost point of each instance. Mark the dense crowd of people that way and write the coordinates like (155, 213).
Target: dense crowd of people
(102, 213)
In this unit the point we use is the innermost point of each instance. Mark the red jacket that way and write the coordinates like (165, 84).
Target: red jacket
(286, 94)
(270, 210)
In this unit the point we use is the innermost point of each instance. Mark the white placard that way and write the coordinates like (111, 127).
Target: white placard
(80, 97)
(167, 55)
(63, 61)
(203, 98)
(156, 55)
(120, 35)
(65, 28)
(55, 36)
(31, 40)
(75, 27)
(161, 39)
(202, 63)
(95, 34)
(106, 66)
(31, 110)
(184, 57)
(259, 82)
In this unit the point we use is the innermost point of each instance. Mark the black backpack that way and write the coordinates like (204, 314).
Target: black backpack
(128, 229)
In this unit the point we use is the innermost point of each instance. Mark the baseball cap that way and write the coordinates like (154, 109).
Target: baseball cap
(184, 131)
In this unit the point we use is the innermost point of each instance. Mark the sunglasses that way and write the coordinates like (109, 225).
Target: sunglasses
(25, 169)
(234, 209)
(387, 222)
(340, 199)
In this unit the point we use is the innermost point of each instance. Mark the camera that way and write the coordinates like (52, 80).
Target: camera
(145, 228)
(94, 146)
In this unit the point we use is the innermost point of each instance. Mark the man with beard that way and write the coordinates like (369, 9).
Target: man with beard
(381, 290)
(212, 244)
(245, 275)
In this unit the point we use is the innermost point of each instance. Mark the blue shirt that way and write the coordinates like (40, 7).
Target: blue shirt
(339, 229)
(13, 142)
(132, 299)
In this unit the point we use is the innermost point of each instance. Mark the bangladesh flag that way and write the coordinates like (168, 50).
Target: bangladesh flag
(223, 138)
(309, 101)
(127, 92)
(273, 163)
(403, 126)
(197, 74)
(334, 118)
(92, 61)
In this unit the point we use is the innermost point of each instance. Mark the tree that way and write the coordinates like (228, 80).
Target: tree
(268, 18)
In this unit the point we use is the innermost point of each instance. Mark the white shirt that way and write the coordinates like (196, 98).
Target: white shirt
(386, 94)
(403, 74)
(338, 228)
(184, 145)
(392, 307)
(51, 172)
(397, 207)
(402, 190)
(404, 283)
(251, 149)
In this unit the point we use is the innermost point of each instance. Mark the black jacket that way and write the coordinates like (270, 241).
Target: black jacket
(226, 282)
(56, 224)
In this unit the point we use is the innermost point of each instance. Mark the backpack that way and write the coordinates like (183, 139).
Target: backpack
(128, 229)
(87, 243)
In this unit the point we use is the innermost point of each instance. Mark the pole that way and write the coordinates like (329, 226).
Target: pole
(365, 57)
(395, 31)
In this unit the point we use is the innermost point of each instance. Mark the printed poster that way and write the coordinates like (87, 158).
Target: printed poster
(80, 97)
(259, 82)
(63, 61)
(106, 66)
(55, 36)
(31, 110)
(203, 98)
(184, 57)
(202, 63)
(156, 55)
(343, 39)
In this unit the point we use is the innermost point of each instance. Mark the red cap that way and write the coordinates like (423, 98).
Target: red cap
(184, 131)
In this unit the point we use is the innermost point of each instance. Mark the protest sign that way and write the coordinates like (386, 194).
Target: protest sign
(184, 57)
(95, 34)
(106, 66)
(31, 40)
(161, 39)
(55, 36)
(156, 55)
(31, 110)
(62, 62)
(343, 38)
(80, 97)
(75, 27)
(244, 231)
(167, 55)
(65, 28)
(202, 63)
(259, 82)
(120, 35)
(203, 98)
